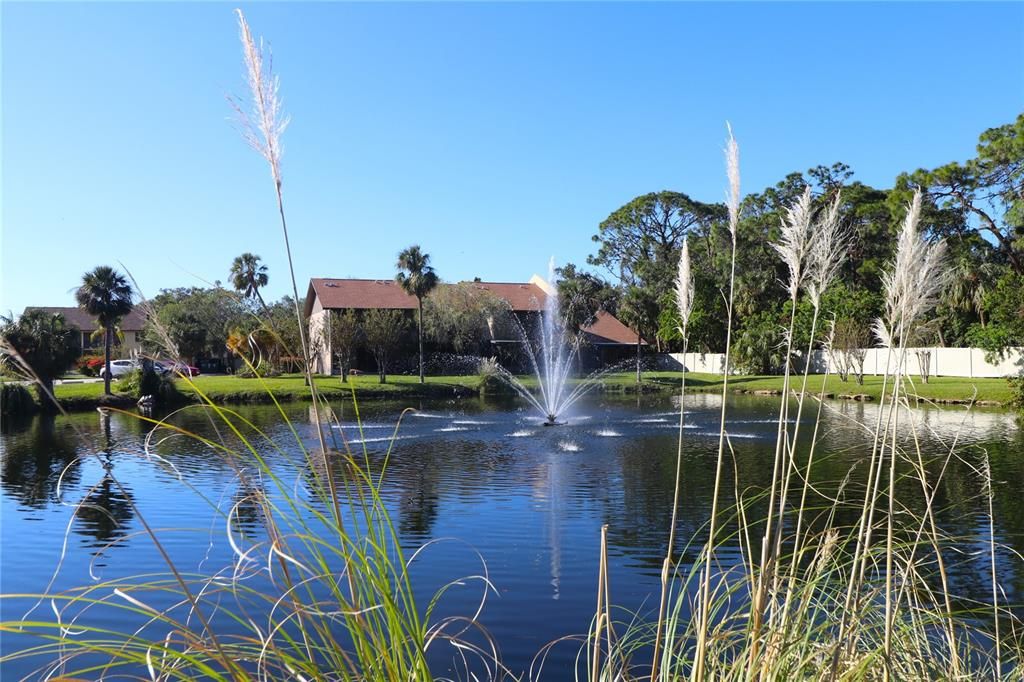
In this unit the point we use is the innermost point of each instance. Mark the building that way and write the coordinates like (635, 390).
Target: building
(126, 345)
(606, 341)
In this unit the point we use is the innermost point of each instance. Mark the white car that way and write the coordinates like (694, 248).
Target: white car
(119, 368)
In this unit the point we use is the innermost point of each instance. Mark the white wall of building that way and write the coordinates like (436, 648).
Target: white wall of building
(320, 338)
(949, 362)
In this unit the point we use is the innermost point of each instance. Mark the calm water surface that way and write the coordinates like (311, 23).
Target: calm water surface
(485, 478)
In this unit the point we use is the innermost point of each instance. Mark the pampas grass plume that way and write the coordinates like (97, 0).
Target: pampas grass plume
(915, 280)
(829, 248)
(684, 287)
(263, 126)
(795, 240)
(732, 167)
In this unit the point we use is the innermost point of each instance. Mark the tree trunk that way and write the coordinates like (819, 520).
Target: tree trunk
(419, 325)
(259, 297)
(44, 391)
(638, 358)
(106, 360)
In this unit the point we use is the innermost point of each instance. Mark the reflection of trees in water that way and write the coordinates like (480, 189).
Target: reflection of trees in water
(639, 515)
(33, 460)
(418, 503)
(105, 513)
(247, 515)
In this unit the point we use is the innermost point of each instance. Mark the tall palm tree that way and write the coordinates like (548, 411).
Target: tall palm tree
(418, 278)
(248, 275)
(105, 294)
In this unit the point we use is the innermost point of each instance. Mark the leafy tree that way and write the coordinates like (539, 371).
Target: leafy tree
(345, 333)
(640, 241)
(248, 276)
(850, 339)
(383, 330)
(988, 189)
(756, 347)
(416, 277)
(461, 315)
(105, 294)
(581, 295)
(1005, 306)
(45, 343)
(639, 309)
(192, 322)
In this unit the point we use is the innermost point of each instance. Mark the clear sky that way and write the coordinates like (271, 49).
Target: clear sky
(494, 135)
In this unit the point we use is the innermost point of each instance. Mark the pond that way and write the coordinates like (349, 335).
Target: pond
(499, 492)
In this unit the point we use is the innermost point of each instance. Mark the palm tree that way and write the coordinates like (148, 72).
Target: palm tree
(416, 277)
(248, 275)
(45, 343)
(105, 294)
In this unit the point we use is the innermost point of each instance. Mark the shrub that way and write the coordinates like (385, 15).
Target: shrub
(491, 381)
(141, 382)
(264, 369)
(90, 365)
(1017, 391)
(15, 400)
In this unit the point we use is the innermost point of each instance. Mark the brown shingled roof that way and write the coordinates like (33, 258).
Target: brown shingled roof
(364, 294)
(83, 321)
(607, 329)
(361, 294)
(521, 297)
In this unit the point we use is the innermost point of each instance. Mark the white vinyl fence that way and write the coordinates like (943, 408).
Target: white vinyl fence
(949, 362)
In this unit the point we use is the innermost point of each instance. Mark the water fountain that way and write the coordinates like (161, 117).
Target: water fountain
(551, 355)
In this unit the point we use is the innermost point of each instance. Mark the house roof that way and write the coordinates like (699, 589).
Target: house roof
(360, 294)
(78, 318)
(365, 294)
(608, 330)
(521, 297)
(368, 294)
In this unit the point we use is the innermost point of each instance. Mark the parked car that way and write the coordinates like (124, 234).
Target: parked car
(179, 368)
(119, 368)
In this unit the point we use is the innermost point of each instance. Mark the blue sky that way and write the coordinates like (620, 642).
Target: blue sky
(494, 135)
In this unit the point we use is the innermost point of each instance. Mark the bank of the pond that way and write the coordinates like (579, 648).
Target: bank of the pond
(946, 390)
(235, 390)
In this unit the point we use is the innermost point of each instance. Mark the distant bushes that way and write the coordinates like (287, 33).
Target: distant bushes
(264, 369)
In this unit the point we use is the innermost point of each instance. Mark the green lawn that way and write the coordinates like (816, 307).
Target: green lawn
(948, 389)
(228, 389)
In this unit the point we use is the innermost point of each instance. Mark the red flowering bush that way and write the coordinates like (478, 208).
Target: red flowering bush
(90, 365)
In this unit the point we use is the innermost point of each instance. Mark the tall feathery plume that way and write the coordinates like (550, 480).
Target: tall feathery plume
(732, 169)
(795, 241)
(912, 288)
(830, 245)
(684, 288)
(262, 128)
(913, 284)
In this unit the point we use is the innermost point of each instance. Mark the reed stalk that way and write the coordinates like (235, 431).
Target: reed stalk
(732, 156)
(684, 303)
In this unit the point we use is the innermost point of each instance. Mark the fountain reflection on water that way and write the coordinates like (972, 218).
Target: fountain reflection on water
(551, 355)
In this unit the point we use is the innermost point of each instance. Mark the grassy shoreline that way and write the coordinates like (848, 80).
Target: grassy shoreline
(289, 388)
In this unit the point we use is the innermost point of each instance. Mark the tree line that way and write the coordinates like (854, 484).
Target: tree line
(976, 207)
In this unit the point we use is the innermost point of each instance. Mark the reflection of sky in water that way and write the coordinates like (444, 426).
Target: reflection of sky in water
(530, 499)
